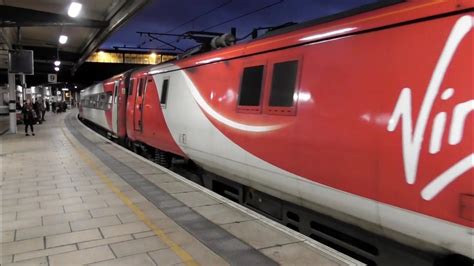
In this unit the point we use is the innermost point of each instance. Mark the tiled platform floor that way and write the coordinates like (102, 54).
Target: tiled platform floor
(61, 205)
(4, 124)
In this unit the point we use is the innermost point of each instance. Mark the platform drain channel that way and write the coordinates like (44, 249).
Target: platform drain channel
(221, 242)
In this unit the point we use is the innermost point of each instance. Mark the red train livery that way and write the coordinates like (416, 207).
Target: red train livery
(368, 118)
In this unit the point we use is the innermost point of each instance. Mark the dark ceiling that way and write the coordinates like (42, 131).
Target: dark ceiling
(37, 24)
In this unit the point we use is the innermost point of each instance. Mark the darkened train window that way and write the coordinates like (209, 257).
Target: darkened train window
(97, 101)
(102, 101)
(251, 87)
(283, 84)
(164, 91)
(130, 86)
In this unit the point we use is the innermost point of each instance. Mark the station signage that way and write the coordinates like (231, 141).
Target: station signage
(52, 78)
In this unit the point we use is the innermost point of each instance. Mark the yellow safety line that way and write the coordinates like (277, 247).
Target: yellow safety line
(179, 251)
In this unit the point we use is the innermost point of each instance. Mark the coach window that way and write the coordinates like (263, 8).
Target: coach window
(251, 89)
(164, 92)
(94, 101)
(283, 87)
(103, 101)
(99, 101)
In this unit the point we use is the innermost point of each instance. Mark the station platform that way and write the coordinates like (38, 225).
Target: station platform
(4, 124)
(71, 197)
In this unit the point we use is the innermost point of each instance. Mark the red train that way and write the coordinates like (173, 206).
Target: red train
(367, 118)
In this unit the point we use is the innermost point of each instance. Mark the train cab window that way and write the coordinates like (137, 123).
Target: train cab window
(164, 91)
(251, 87)
(283, 84)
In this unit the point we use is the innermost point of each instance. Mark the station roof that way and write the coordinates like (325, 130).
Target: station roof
(41, 22)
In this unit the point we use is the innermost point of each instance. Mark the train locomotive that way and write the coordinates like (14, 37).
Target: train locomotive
(366, 118)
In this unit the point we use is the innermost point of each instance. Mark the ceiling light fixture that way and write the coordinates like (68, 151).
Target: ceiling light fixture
(57, 63)
(63, 39)
(74, 9)
(56, 69)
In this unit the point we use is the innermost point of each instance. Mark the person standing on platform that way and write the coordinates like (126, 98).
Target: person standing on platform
(29, 117)
(47, 105)
(53, 105)
(36, 108)
(43, 110)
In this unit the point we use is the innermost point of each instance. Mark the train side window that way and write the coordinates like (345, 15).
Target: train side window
(283, 84)
(164, 92)
(102, 101)
(97, 101)
(251, 88)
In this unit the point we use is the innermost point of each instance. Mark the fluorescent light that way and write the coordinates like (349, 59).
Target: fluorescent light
(56, 69)
(153, 54)
(326, 34)
(65, 89)
(57, 63)
(63, 39)
(74, 9)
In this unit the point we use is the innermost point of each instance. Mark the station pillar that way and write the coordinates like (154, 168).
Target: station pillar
(12, 102)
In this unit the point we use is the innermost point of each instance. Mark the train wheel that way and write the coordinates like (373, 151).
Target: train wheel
(162, 158)
(128, 143)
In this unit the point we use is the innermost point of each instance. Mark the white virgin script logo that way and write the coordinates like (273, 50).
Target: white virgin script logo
(412, 139)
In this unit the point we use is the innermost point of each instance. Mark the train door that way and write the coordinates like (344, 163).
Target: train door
(115, 107)
(138, 110)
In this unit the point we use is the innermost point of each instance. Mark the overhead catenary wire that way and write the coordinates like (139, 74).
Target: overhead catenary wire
(201, 15)
(191, 20)
(245, 14)
(241, 16)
